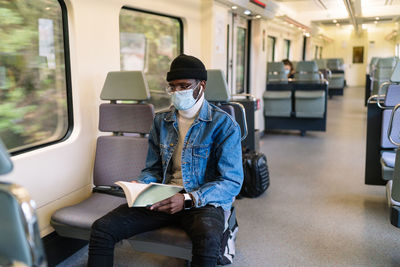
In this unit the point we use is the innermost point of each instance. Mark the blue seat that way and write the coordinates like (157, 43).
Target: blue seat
(20, 243)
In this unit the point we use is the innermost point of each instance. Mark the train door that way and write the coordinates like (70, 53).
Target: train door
(237, 54)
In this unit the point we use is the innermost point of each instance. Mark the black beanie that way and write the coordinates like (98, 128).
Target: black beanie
(187, 67)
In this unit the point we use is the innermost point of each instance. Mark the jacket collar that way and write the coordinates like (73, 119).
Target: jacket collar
(204, 114)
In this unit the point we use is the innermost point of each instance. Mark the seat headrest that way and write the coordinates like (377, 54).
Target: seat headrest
(334, 63)
(374, 61)
(217, 88)
(276, 72)
(6, 164)
(307, 66)
(125, 85)
(275, 67)
(126, 118)
(321, 63)
(388, 62)
(395, 78)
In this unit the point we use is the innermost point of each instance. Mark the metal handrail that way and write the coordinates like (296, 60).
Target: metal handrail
(158, 92)
(243, 111)
(390, 128)
(252, 97)
(384, 95)
(373, 99)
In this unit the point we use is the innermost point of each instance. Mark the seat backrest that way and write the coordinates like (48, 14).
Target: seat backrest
(19, 232)
(122, 156)
(5, 162)
(307, 71)
(335, 64)
(217, 92)
(384, 68)
(321, 63)
(20, 238)
(217, 88)
(276, 72)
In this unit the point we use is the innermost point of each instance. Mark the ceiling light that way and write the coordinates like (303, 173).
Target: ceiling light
(291, 25)
(258, 17)
(247, 12)
(363, 26)
(377, 18)
(234, 7)
(47, 8)
(376, 22)
(337, 24)
(299, 28)
(334, 21)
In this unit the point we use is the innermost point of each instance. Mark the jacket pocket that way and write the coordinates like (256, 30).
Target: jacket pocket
(201, 153)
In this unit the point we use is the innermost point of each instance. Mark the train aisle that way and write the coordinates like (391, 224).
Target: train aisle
(318, 211)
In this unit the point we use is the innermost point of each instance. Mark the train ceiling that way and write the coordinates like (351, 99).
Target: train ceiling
(341, 12)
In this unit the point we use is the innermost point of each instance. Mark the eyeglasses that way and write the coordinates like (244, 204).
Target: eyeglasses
(180, 87)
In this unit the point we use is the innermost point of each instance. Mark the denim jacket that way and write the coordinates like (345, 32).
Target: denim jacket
(211, 156)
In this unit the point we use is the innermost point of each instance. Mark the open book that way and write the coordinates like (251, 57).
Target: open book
(143, 195)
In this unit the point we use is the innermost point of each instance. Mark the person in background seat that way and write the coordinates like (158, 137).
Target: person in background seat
(194, 144)
(288, 68)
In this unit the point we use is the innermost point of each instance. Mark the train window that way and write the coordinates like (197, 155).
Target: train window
(149, 42)
(271, 49)
(316, 52)
(35, 107)
(286, 51)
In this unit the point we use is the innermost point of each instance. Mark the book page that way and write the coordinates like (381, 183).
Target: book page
(156, 192)
(132, 190)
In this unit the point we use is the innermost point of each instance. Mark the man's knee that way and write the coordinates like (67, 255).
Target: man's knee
(102, 230)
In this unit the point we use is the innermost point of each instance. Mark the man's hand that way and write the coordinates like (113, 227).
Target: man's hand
(169, 205)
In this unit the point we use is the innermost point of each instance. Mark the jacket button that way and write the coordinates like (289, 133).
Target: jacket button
(171, 144)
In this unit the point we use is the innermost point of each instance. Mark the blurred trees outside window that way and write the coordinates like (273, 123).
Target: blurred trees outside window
(149, 42)
(33, 106)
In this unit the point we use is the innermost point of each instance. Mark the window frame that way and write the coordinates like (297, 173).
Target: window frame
(273, 38)
(288, 43)
(162, 15)
(68, 85)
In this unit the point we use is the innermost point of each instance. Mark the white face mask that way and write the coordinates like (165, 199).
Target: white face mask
(183, 100)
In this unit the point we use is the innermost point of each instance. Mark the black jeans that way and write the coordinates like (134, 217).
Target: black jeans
(203, 225)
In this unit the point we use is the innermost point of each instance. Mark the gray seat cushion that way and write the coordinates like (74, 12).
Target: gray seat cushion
(76, 221)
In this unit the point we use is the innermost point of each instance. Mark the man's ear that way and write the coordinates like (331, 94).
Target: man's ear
(203, 83)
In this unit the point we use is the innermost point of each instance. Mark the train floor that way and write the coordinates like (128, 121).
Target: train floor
(317, 211)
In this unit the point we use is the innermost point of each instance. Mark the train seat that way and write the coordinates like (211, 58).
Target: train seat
(110, 166)
(392, 98)
(309, 103)
(20, 243)
(219, 94)
(278, 96)
(117, 157)
(173, 241)
(383, 72)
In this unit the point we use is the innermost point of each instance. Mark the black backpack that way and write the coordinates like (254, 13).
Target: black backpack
(256, 174)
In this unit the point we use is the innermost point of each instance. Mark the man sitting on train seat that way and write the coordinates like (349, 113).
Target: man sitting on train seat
(194, 144)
